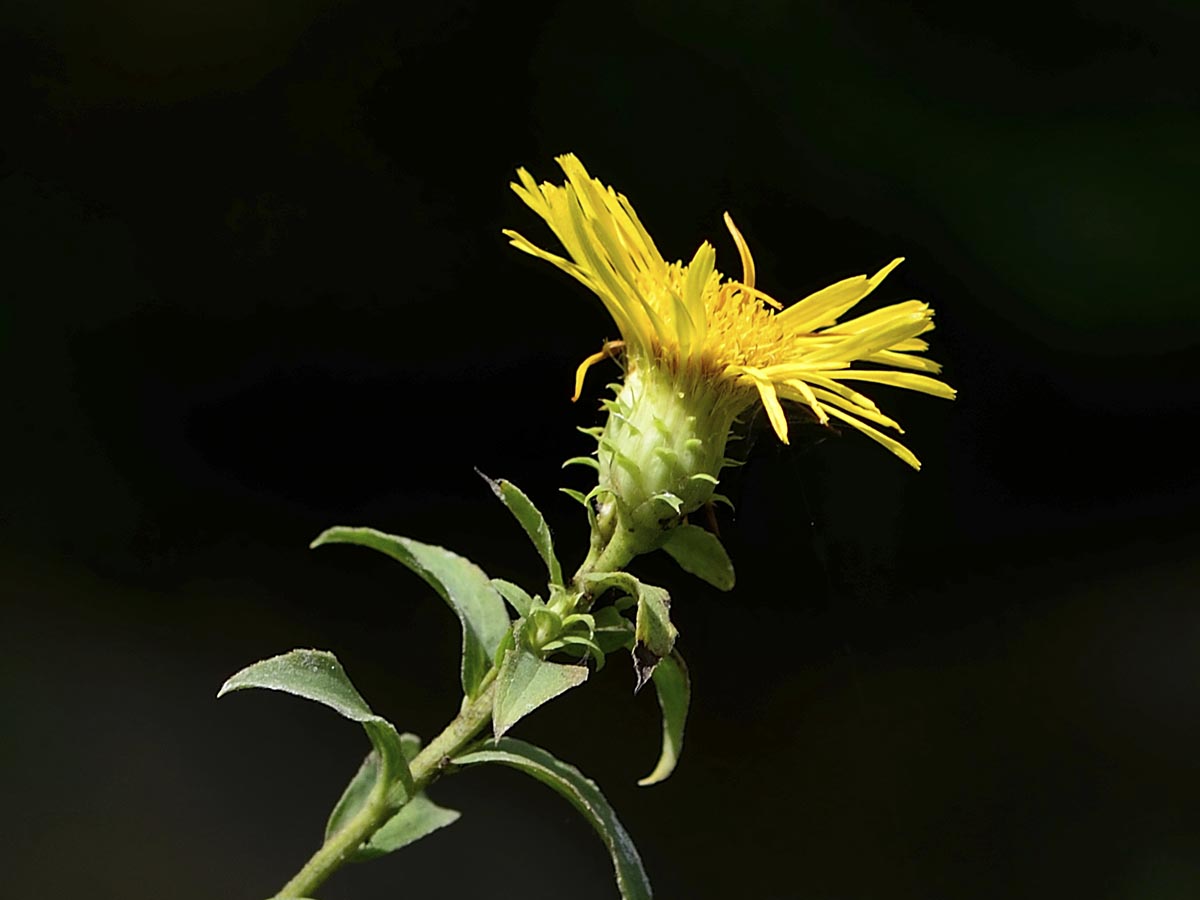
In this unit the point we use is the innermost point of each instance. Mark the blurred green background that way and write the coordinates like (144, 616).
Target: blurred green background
(253, 285)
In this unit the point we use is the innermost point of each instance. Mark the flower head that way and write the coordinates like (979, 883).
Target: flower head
(687, 319)
(699, 349)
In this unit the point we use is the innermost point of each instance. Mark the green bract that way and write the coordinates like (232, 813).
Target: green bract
(660, 455)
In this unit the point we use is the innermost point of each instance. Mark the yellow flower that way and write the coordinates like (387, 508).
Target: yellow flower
(737, 343)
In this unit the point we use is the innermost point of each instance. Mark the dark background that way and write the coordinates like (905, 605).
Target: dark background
(254, 285)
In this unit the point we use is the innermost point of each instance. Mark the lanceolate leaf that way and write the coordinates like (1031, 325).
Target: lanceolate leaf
(355, 796)
(358, 791)
(525, 682)
(317, 675)
(700, 553)
(531, 520)
(516, 596)
(674, 694)
(419, 818)
(654, 635)
(583, 794)
(460, 582)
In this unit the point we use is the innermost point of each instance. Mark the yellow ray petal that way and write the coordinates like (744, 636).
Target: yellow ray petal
(879, 337)
(874, 434)
(903, 361)
(871, 319)
(614, 307)
(829, 400)
(645, 322)
(806, 394)
(770, 401)
(824, 307)
(695, 282)
(909, 380)
(605, 352)
(743, 251)
(826, 381)
(759, 295)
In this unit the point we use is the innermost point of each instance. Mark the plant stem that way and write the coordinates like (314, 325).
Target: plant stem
(613, 557)
(426, 766)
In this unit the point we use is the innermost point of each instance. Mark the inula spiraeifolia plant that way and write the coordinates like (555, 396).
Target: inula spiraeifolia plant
(697, 350)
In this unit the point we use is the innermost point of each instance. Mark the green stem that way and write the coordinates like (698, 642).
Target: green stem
(615, 556)
(425, 767)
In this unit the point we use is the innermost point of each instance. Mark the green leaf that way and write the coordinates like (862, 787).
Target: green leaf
(506, 644)
(410, 745)
(419, 818)
(525, 682)
(674, 690)
(583, 794)
(355, 796)
(654, 635)
(613, 630)
(311, 674)
(581, 644)
(531, 520)
(516, 596)
(699, 552)
(317, 675)
(460, 582)
(358, 791)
